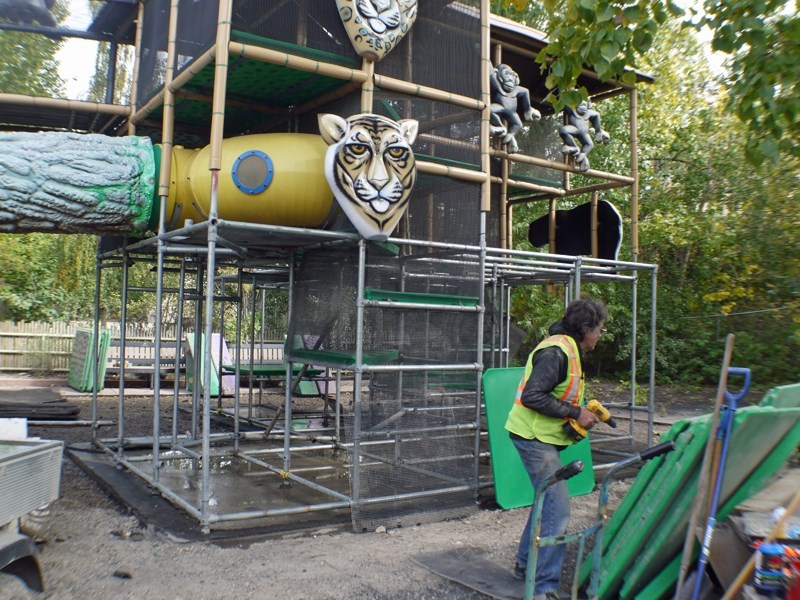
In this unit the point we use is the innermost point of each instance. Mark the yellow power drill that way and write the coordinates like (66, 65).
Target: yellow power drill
(574, 430)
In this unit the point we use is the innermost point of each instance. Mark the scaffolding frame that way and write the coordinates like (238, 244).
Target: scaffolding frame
(204, 250)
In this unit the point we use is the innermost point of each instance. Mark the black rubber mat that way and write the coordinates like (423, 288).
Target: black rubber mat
(40, 404)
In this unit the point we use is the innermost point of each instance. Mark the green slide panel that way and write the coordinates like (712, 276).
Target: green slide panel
(647, 473)
(511, 483)
(81, 371)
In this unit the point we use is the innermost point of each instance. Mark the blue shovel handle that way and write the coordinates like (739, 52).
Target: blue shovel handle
(733, 399)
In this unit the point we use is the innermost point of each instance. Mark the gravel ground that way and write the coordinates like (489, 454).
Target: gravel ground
(95, 549)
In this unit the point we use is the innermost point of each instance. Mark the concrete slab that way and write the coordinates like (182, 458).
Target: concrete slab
(235, 491)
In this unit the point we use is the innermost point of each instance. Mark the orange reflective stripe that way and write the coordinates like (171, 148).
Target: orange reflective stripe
(520, 389)
(572, 392)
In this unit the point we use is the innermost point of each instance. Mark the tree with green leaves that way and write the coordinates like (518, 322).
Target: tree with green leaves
(611, 37)
(721, 231)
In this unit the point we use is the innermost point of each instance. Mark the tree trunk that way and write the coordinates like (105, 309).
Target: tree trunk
(73, 183)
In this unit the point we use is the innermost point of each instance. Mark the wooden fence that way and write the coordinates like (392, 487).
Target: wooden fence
(46, 347)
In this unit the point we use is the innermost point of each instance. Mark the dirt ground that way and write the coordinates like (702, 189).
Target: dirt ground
(96, 549)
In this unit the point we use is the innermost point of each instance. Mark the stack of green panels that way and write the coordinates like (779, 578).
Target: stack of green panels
(81, 371)
(643, 542)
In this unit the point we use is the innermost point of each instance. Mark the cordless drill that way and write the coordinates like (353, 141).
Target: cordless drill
(574, 430)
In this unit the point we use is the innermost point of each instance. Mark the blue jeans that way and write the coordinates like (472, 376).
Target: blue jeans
(542, 460)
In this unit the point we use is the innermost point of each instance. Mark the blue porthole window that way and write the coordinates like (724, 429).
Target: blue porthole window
(252, 172)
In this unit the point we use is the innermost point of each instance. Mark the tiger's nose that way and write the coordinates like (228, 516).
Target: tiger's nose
(377, 174)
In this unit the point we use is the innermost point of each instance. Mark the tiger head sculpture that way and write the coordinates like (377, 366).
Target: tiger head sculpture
(370, 168)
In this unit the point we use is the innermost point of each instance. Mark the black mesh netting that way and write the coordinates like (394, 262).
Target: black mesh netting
(417, 428)
(310, 24)
(442, 49)
(196, 32)
(153, 51)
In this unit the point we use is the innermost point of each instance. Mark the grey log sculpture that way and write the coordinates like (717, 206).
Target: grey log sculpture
(72, 183)
(28, 11)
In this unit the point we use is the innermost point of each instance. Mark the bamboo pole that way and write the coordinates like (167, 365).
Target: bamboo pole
(549, 164)
(705, 469)
(551, 229)
(76, 105)
(422, 91)
(485, 106)
(571, 192)
(168, 116)
(524, 185)
(368, 86)
(440, 139)
(635, 175)
(220, 92)
(136, 65)
(455, 172)
(505, 221)
(595, 249)
(296, 62)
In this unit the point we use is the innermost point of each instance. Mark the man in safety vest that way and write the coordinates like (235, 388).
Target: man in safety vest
(551, 391)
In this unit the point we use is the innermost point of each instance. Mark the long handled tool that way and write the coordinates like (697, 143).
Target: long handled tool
(702, 484)
(723, 435)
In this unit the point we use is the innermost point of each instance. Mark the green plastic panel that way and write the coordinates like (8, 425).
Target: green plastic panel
(420, 298)
(662, 585)
(785, 396)
(756, 432)
(188, 352)
(81, 372)
(655, 505)
(511, 483)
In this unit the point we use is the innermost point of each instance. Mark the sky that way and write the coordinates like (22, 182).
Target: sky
(77, 56)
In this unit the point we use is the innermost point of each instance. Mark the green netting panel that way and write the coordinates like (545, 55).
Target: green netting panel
(539, 139)
(324, 310)
(447, 133)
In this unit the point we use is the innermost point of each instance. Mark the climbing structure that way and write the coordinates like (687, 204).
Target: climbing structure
(404, 315)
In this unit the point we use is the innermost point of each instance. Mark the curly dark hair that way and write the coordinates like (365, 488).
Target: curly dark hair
(582, 316)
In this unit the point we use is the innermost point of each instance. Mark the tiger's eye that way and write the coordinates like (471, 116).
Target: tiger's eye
(358, 149)
(397, 152)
